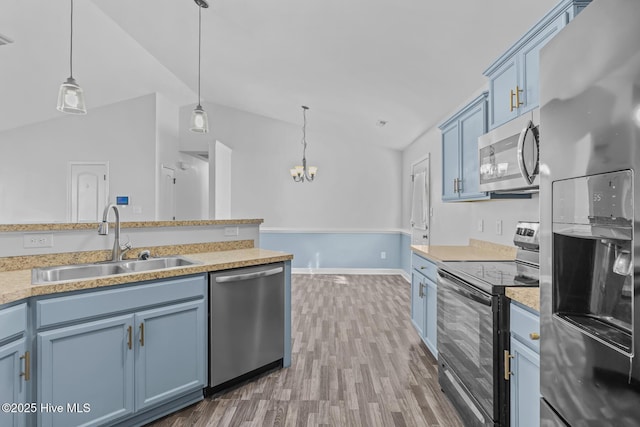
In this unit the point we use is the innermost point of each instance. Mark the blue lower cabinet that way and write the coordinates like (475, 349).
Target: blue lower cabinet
(13, 383)
(90, 363)
(424, 308)
(525, 386)
(170, 352)
(417, 302)
(122, 356)
(525, 367)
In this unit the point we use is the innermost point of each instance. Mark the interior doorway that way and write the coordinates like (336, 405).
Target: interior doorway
(88, 190)
(167, 211)
(420, 202)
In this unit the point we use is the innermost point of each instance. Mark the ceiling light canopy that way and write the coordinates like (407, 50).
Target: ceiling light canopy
(199, 120)
(70, 95)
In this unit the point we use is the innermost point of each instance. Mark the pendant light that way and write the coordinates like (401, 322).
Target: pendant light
(300, 173)
(70, 96)
(199, 120)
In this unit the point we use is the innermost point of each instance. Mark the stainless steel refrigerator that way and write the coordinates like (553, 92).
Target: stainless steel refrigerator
(589, 213)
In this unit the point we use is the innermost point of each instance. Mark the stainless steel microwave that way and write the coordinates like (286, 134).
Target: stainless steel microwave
(509, 154)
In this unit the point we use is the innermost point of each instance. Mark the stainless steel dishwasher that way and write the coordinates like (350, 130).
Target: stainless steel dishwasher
(246, 323)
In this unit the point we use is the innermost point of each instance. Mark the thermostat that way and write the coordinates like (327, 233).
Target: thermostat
(122, 200)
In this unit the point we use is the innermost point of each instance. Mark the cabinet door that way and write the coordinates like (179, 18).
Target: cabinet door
(90, 363)
(502, 82)
(417, 302)
(525, 386)
(170, 352)
(13, 386)
(472, 125)
(431, 333)
(450, 162)
(530, 64)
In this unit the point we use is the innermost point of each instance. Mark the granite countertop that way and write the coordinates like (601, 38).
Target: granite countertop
(478, 250)
(529, 297)
(16, 284)
(127, 224)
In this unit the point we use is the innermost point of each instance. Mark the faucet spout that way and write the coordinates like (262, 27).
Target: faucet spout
(103, 229)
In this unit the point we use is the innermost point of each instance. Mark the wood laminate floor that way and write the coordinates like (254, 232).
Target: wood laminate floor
(356, 361)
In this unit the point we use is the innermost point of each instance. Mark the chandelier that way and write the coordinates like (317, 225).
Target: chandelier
(302, 173)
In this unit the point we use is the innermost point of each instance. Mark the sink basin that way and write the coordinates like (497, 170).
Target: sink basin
(84, 271)
(157, 263)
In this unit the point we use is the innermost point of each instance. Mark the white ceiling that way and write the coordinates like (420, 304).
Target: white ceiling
(353, 62)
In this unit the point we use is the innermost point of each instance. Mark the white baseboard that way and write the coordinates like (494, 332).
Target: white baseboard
(371, 271)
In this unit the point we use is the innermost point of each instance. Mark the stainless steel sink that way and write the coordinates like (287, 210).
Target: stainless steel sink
(157, 263)
(84, 271)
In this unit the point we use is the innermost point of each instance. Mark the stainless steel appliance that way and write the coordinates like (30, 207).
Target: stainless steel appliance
(590, 282)
(508, 156)
(473, 328)
(246, 323)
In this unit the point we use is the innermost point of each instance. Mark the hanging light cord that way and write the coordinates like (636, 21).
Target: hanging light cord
(304, 132)
(71, 49)
(199, 47)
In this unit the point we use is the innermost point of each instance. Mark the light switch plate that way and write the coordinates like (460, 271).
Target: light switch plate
(480, 225)
(499, 227)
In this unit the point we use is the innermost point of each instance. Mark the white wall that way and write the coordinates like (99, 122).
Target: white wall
(455, 223)
(33, 176)
(357, 186)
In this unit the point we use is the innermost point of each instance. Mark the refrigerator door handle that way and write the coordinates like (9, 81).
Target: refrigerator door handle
(248, 276)
(527, 175)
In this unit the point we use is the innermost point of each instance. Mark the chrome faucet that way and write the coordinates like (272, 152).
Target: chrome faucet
(103, 230)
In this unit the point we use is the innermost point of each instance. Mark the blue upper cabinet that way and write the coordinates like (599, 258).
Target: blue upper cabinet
(460, 176)
(514, 77)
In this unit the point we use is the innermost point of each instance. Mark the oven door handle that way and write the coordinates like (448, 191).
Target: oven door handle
(465, 290)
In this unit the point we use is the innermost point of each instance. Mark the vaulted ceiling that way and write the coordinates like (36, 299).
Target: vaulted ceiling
(354, 62)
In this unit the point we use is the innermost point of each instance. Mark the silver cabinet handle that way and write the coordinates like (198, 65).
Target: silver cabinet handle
(248, 276)
(455, 185)
(459, 185)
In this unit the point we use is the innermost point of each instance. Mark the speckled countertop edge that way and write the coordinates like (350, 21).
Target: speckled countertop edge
(529, 297)
(16, 285)
(476, 250)
(139, 224)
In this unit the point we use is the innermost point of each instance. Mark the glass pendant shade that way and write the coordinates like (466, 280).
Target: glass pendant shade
(199, 120)
(71, 98)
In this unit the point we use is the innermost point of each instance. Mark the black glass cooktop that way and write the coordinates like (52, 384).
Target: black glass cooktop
(495, 274)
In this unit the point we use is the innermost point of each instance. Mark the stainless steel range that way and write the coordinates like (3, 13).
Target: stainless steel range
(473, 328)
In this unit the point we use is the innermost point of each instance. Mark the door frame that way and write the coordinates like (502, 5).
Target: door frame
(426, 158)
(70, 183)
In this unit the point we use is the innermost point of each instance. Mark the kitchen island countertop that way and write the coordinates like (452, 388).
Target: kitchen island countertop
(16, 285)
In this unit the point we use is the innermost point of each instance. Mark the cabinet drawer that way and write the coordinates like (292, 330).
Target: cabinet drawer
(55, 311)
(523, 324)
(426, 267)
(13, 321)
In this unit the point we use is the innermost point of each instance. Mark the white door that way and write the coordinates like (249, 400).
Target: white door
(420, 202)
(88, 190)
(167, 195)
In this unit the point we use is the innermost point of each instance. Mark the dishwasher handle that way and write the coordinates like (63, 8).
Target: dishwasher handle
(248, 276)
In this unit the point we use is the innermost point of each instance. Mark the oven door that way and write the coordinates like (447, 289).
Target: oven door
(466, 340)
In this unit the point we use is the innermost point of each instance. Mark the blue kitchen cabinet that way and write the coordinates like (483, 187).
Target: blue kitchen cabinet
(15, 363)
(87, 363)
(514, 87)
(424, 314)
(524, 367)
(170, 348)
(460, 174)
(131, 353)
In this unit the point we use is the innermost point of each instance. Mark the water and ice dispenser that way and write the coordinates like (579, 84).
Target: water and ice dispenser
(593, 256)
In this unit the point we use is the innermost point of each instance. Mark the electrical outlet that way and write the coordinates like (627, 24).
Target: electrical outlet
(499, 227)
(38, 240)
(231, 231)
(480, 225)
(430, 211)
(383, 255)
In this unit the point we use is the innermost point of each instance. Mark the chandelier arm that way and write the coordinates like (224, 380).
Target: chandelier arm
(71, 45)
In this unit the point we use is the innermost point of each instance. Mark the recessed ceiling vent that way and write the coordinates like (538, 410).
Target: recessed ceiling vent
(5, 40)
